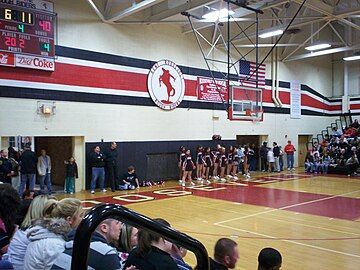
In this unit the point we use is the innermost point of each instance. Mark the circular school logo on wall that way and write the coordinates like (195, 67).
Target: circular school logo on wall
(166, 84)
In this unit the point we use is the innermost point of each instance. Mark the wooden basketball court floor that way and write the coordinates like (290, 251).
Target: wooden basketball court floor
(313, 220)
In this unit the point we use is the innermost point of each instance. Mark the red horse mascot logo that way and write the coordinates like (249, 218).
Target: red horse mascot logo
(165, 79)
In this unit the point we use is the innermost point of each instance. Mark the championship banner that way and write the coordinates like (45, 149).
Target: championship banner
(212, 90)
(295, 100)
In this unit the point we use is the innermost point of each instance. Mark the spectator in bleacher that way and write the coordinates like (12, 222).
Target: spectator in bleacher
(47, 235)
(336, 132)
(178, 253)
(101, 254)
(152, 252)
(263, 157)
(97, 163)
(352, 165)
(44, 172)
(309, 162)
(28, 162)
(226, 254)
(355, 124)
(326, 163)
(9, 204)
(290, 150)
(19, 242)
(317, 162)
(128, 240)
(269, 259)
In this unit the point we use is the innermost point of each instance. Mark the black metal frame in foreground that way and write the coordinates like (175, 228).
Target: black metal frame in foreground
(102, 212)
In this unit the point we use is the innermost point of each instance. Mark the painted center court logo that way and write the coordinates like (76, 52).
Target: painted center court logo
(166, 84)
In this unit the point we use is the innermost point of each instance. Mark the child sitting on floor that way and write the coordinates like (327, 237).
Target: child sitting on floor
(130, 180)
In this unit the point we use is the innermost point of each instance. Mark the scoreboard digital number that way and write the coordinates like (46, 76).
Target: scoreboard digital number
(27, 31)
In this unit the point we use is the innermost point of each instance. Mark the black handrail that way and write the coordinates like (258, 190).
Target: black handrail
(104, 211)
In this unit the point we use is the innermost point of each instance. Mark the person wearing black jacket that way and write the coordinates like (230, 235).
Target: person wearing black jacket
(226, 254)
(28, 162)
(97, 164)
(111, 166)
(276, 151)
(152, 252)
(5, 167)
(263, 157)
(71, 174)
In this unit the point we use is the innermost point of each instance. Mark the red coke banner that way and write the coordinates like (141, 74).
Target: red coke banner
(35, 62)
(7, 59)
(212, 90)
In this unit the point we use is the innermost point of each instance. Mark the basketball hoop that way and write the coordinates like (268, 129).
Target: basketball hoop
(255, 115)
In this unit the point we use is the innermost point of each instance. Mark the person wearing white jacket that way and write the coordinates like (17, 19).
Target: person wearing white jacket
(47, 241)
(44, 171)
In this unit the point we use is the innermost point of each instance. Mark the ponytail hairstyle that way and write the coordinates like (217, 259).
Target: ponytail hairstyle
(36, 210)
(68, 207)
(145, 238)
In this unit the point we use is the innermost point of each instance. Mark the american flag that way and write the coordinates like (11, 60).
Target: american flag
(246, 69)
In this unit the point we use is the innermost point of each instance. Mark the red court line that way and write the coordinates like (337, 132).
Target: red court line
(327, 206)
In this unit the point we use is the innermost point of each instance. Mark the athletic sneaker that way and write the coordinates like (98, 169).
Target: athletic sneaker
(92, 192)
(235, 178)
(222, 180)
(207, 182)
(293, 169)
(289, 169)
(192, 183)
(103, 190)
(71, 193)
(183, 183)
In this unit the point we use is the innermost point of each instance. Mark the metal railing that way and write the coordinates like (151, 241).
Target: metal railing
(102, 212)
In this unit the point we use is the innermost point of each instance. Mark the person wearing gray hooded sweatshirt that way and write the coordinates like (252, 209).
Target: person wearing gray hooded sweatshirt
(47, 241)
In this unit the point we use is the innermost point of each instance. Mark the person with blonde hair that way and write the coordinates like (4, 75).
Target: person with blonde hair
(47, 236)
(69, 209)
(17, 248)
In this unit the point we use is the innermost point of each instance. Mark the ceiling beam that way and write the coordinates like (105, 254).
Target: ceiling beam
(323, 52)
(239, 12)
(166, 12)
(132, 10)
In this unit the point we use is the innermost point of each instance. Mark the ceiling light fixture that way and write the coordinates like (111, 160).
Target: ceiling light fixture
(352, 58)
(217, 14)
(317, 47)
(271, 34)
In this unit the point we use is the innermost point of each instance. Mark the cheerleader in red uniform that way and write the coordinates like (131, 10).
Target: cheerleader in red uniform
(182, 157)
(199, 163)
(216, 160)
(208, 163)
(230, 160)
(188, 168)
(223, 164)
(235, 164)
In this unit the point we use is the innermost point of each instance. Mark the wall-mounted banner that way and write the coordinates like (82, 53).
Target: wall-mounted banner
(212, 90)
(34, 62)
(295, 100)
(166, 84)
(7, 59)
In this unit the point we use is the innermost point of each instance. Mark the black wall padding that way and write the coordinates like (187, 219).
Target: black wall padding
(145, 155)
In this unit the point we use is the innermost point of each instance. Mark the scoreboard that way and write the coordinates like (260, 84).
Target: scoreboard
(27, 32)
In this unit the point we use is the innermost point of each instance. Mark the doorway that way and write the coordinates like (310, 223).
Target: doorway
(248, 139)
(302, 148)
(59, 149)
